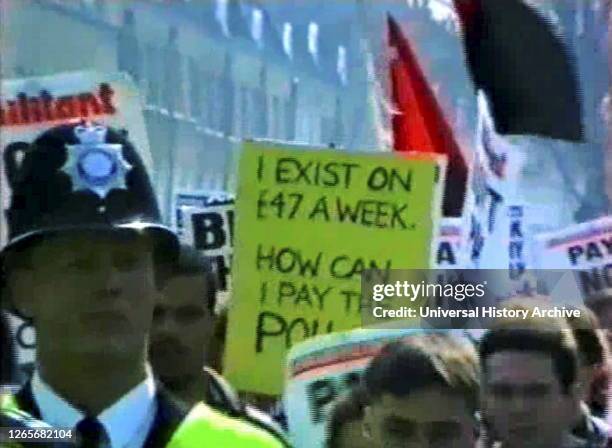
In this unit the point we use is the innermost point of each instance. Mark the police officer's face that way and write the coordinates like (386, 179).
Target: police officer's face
(92, 293)
(430, 418)
(182, 327)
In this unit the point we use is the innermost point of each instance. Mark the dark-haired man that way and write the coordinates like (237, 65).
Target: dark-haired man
(593, 357)
(423, 392)
(182, 336)
(183, 322)
(529, 382)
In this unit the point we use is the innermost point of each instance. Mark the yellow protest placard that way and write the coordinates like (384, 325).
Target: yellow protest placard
(308, 222)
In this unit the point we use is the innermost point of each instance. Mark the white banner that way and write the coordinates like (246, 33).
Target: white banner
(492, 189)
(505, 209)
(198, 199)
(447, 246)
(205, 220)
(585, 248)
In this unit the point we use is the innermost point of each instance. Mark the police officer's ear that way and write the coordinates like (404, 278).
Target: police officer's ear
(17, 291)
(21, 295)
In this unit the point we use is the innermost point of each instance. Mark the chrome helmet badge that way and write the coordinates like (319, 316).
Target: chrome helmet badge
(94, 165)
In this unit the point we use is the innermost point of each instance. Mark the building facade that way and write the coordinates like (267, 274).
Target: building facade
(212, 73)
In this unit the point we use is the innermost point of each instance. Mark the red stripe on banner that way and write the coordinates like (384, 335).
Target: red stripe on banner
(334, 368)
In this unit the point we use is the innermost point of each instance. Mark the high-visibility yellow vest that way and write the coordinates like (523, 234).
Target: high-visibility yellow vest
(17, 418)
(203, 426)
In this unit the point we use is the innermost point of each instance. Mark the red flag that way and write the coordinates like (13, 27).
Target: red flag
(420, 124)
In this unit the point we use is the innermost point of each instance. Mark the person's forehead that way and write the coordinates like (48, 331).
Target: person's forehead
(184, 289)
(427, 406)
(181, 283)
(520, 366)
(86, 240)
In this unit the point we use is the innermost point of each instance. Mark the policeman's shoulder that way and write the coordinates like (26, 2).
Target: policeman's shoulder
(259, 418)
(223, 398)
(11, 416)
(206, 425)
(15, 418)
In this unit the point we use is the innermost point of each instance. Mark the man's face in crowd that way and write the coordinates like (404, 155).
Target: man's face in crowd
(603, 310)
(429, 418)
(182, 328)
(523, 402)
(351, 436)
(89, 294)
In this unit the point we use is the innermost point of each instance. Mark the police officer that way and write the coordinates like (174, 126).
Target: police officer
(85, 259)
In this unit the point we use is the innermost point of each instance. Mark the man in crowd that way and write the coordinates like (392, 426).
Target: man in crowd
(423, 392)
(85, 237)
(601, 305)
(529, 382)
(593, 372)
(345, 422)
(182, 339)
(183, 322)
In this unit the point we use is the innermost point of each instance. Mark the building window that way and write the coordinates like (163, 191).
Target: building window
(221, 14)
(277, 119)
(326, 131)
(226, 97)
(154, 70)
(342, 67)
(172, 93)
(210, 108)
(291, 110)
(288, 39)
(245, 113)
(195, 89)
(257, 24)
(259, 101)
(338, 123)
(313, 41)
(128, 57)
(314, 136)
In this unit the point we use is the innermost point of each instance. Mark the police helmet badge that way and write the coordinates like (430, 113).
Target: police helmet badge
(94, 165)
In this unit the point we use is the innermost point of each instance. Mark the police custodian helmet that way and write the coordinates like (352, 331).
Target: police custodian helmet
(81, 176)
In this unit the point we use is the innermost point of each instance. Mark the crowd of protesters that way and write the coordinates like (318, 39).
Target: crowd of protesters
(536, 382)
(129, 335)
